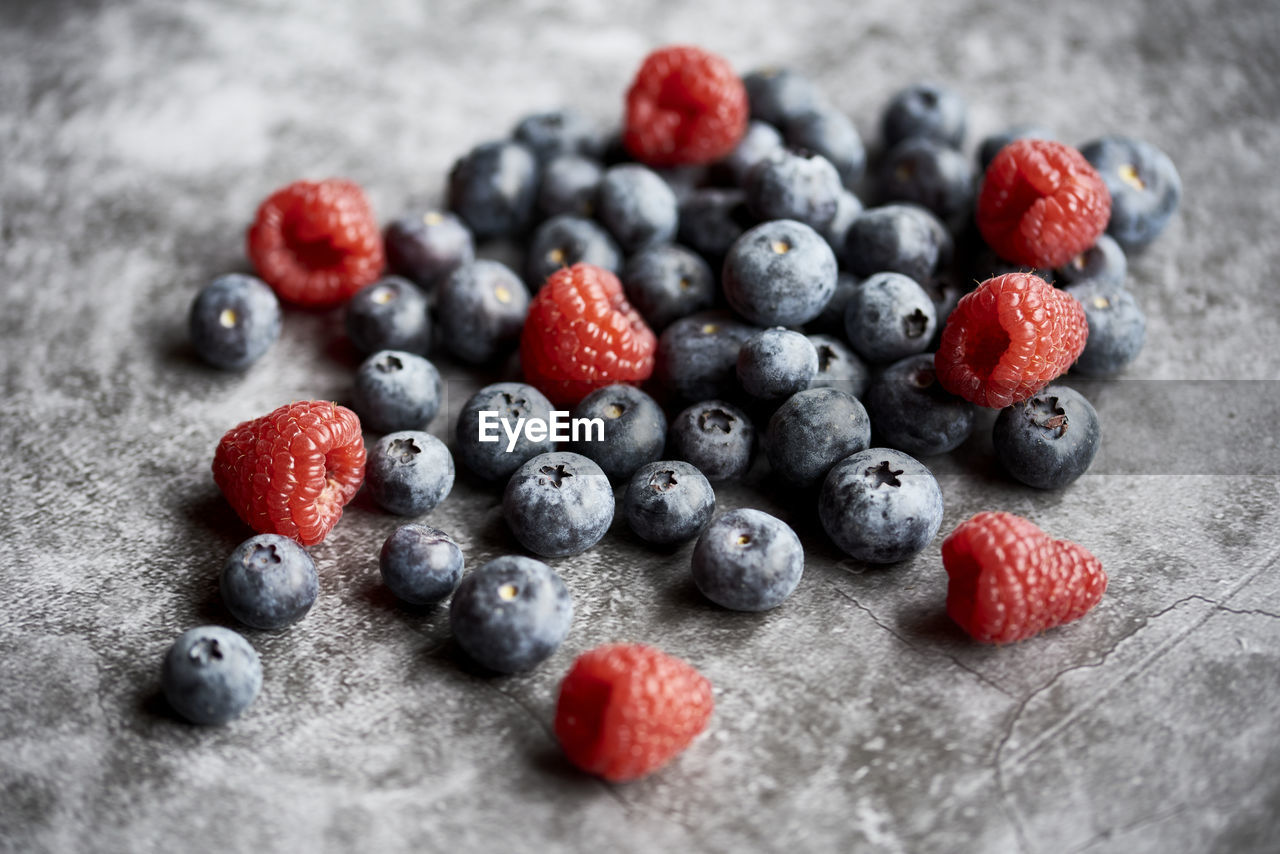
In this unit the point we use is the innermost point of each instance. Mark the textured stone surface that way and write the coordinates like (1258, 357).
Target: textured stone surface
(137, 138)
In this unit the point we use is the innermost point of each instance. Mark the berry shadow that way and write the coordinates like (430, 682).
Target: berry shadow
(933, 627)
(153, 706)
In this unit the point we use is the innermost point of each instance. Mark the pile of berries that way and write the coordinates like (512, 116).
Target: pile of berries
(702, 283)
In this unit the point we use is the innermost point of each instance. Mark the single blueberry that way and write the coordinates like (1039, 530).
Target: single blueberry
(697, 356)
(777, 94)
(563, 241)
(269, 582)
(409, 472)
(880, 506)
(234, 320)
(668, 501)
(558, 132)
(493, 189)
(715, 436)
(910, 411)
(211, 675)
(668, 282)
(839, 367)
(511, 614)
(684, 180)
(558, 504)
(829, 133)
(711, 219)
(1144, 184)
(395, 390)
(898, 238)
(484, 439)
(888, 317)
(776, 363)
(637, 207)
(1117, 328)
(1048, 440)
(389, 315)
(992, 144)
(795, 185)
(481, 307)
(930, 174)
(924, 110)
(634, 430)
(421, 565)
(812, 431)
(570, 184)
(758, 142)
(424, 247)
(747, 560)
(779, 273)
(1103, 262)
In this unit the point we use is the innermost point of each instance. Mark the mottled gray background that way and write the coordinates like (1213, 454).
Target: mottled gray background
(137, 138)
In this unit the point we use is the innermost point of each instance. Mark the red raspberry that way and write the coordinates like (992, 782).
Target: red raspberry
(626, 710)
(1008, 339)
(290, 472)
(1042, 203)
(582, 334)
(316, 243)
(1009, 580)
(685, 106)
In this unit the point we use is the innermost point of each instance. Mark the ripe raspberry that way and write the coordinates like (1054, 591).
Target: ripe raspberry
(581, 334)
(1008, 339)
(685, 106)
(290, 472)
(1042, 203)
(316, 243)
(625, 710)
(1009, 580)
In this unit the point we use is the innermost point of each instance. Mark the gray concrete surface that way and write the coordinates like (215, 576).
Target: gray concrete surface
(136, 139)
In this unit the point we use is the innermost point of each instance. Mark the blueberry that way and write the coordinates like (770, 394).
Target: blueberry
(1104, 261)
(896, 238)
(569, 185)
(888, 317)
(234, 321)
(563, 241)
(426, 247)
(987, 265)
(668, 502)
(684, 180)
(779, 273)
(635, 430)
(389, 315)
(992, 144)
(924, 110)
(668, 282)
(637, 207)
(776, 363)
(910, 411)
(715, 436)
(848, 209)
(747, 560)
(712, 219)
(777, 94)
(796, 185)
(211, 675)
(1048, 440)
(880, 506)
(409, 473)
(557, 132)
(481, 308)
(511, 614)
(558, 504)
(829, 133)
(421, 565)
(1117, 328)
(507, 403)
(697, 356)
(930, 174)
(944, 292)
(395, 390)
(269, 582)
(814, 430)
(1144, 185)
(839, 367)
(493, 189)
(831, 320)
(758, 142)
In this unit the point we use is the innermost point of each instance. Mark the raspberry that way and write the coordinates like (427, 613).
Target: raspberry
(290, 472)
(316, 243)
(1041, 203)
(1009, 580)
(1008, 339)
(581, 334)
(625, 710)
(685, 106)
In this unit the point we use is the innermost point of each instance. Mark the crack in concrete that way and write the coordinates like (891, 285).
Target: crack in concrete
(1146, 821)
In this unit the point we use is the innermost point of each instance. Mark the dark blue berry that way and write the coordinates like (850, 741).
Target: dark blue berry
(988, 265)
(668, 501)
(511, 614)
(493, 189)
(389, 315)
(685, 180)
(747, 560)
(667, 282)
(814, 430)
(558, 504)
(715, 436)
(421, 565)
(848, 209)
(395, 390)
(930, 174)
(637, 207)
(409, 472)
(634, 431)
(992, 144)
(910, 411)
(777, 94)
(924, 110)
(1144, 185)
(563, 241)
(481, 308)
(896, 238)
(502, 403)
(831, 320)
(776, 363)
(888, 317)
(211, 675)
(1103, 262)
(269, 582)
(570, 184)
(780, 273)
(1117, 328)
(426, 247)
(758, 142)
(1048, 440)
(558, 132)
(233, 322)
(880, 506)
(839, 367)
(712, 219)
(829, 133)
(795, 185)
(697, 356)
